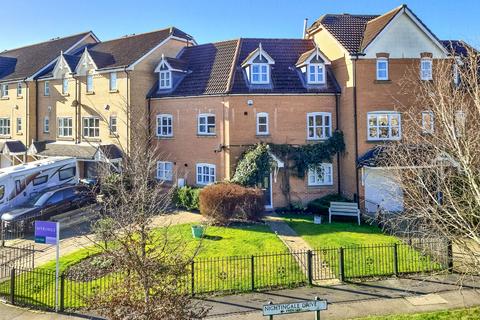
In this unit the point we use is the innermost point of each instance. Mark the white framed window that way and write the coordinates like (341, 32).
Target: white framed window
(113, 125)
(316, 73)
(164, 125)
(260, 73)
(46, 124)
(165, 170)
(460, 121)
(426, 69)
(46, 88)
(321, 175)
(384, 126)
(382, 69)
(65, 125)
(427, 122)
(262, 123)
(4, 90)
(319, 125)
(89, 83)
(112, 84)
(64, 85)
(206, 124)
(19, 125)
(456, 74)
(205, 173)
(4, 126)
(165, 79)
(19, 89)
(91, 127)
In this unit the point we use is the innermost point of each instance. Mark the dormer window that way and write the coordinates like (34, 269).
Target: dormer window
(260, 73)
(316, 73)
(165, 79)
(257, 66)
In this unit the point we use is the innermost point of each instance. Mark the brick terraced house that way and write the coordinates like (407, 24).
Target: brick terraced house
(81, 97)
(226, 96)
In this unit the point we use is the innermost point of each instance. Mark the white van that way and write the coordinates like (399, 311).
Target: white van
(19, 183)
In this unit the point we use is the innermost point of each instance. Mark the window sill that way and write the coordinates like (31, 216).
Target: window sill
(203, 135)
(92, 139)
(65, 138)
(5, 136)
(113, 91)
(316, 140)
(46, 132)
(320, 186)
(90, 93)
(382, 81)
(46, 95)
(165, 137)
(113, 135)
(19, 133)
(265, 135)
(20, 97)
(381, 140)
(65, 94)
(5, 98)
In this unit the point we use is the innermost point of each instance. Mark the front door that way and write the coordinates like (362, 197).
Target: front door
(266, 186)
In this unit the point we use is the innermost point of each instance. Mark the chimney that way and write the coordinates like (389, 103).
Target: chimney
(305, 23)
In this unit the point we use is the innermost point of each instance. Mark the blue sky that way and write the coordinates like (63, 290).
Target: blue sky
(214, 20)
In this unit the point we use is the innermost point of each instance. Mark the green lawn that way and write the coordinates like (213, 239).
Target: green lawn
(223, 264)
(459, 314)
(367, 251)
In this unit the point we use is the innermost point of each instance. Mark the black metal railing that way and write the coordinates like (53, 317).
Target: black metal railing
(222, 275)
(21, 256)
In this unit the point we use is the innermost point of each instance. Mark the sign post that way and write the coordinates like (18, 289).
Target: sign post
(48, 232)
(316, 305)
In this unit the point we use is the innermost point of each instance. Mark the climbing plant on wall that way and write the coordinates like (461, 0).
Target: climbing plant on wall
(256, 162)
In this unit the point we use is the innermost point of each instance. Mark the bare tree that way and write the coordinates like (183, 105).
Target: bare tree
(152, 263)
(438, 159)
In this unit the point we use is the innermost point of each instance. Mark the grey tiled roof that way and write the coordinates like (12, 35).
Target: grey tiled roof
(45, 148)
(215, 68)
(24, 62)
(457, 47)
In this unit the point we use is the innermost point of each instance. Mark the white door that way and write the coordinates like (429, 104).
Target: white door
(382, 189)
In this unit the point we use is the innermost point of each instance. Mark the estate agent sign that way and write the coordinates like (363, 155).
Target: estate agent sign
(48, 232)
(295, 307)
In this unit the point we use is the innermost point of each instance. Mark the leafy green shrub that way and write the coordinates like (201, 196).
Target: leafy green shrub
(187, 198)
(254, 166)
(321, 205)
(223, 202)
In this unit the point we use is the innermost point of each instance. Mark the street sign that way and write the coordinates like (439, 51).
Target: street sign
(295, 307)
(46, 232)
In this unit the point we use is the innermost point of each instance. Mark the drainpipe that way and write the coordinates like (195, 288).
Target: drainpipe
(36, 109)
(128, 108)
(149, 120)
(355, 123)
(337, 116)
(27, 116)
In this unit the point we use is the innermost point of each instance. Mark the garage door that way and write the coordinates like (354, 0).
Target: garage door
(382, 189)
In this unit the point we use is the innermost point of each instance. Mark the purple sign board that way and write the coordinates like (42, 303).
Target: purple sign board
(46, 232)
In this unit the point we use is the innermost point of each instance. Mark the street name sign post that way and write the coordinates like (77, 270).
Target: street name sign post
(48, 232)
(316, 306)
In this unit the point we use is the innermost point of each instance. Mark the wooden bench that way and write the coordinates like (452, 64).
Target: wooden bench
(349, 209)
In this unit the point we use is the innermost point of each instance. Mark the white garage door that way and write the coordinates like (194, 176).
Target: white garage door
(382, 189)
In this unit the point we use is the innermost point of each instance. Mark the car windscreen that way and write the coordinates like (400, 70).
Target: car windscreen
(33, 199)
(42, 199)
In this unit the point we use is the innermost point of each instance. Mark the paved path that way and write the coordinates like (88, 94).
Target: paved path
(78, 237)
(297, 246)
(346, 301)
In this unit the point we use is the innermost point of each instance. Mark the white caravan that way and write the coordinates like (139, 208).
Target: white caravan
(19, 183)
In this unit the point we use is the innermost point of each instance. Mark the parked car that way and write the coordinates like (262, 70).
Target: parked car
(47, 204)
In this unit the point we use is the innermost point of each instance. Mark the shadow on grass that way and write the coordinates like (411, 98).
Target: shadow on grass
(213, 238)
(303, 225)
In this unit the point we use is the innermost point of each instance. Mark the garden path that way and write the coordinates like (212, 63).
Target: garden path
(297, 247)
